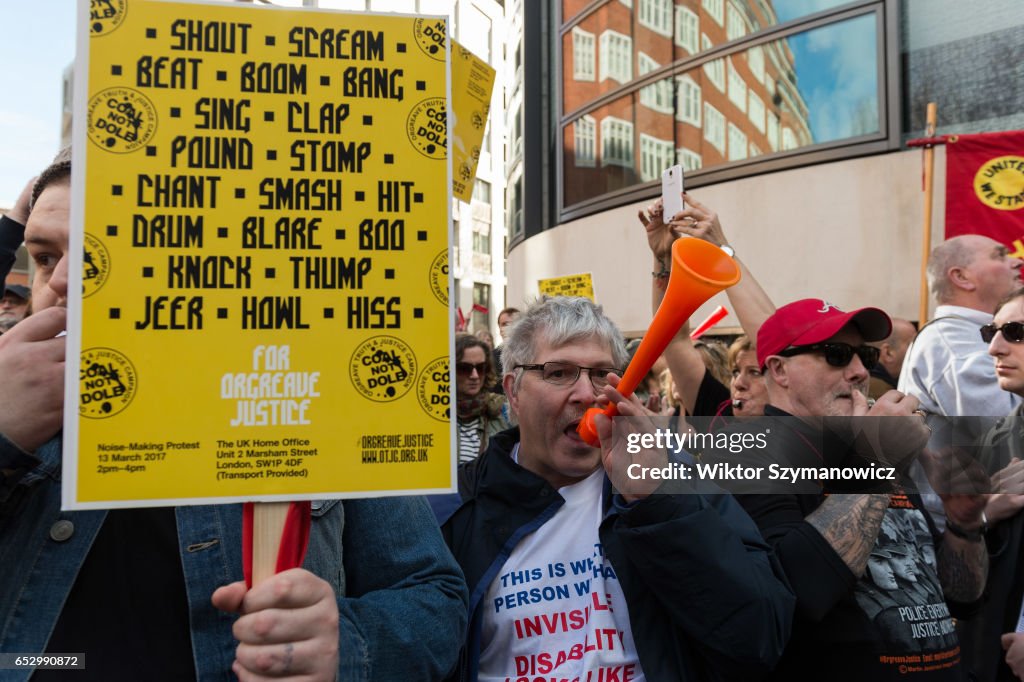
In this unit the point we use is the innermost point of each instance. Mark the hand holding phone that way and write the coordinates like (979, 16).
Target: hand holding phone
(671, 192)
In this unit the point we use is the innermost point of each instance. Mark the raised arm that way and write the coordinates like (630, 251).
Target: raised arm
(684, 361)
(12, 231)
(748, 299)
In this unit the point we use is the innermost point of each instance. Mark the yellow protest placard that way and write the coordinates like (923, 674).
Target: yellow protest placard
(260, 309)
(472, 83)
(569, 285)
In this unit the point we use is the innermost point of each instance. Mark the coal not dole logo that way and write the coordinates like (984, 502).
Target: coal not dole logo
(431, 36)
(433, 389)
(383, 368)
(106, 15)
(95, 265)
(438, 277)
(120, 120)
(106, 383)
(999, 183)
(427, 127)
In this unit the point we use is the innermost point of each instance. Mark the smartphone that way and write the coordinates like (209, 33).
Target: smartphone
(672, 191)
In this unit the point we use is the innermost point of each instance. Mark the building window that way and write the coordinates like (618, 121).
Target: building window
(773, 130)
(715, 70)
(782, 70)
(688, 100)
(687, 29)
(690, 160)
(657, 95)
(655, 156)
(737, 144)
(788, 139)
(714, 127)
(616, 57)
(582, 55)
(481, 306)
(585, 141)
(735, 25)
(482, 242)
(715, 9)
(482, 191)
(514, 216)
(755, 111)
(475, 33)
(656, 15)
(737, 88)
(616, 142)
(755, 62)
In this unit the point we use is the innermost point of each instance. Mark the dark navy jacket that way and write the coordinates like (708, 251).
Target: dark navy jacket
(707, 600)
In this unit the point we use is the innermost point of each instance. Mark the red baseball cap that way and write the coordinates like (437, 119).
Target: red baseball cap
(812, 320)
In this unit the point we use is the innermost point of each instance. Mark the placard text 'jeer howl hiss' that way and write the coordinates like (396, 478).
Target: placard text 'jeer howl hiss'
(261, 216)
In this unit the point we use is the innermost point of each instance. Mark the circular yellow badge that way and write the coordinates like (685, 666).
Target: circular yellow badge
(427, 128)
(433, 389)
(106, 15)
(120, 120)
(439, 276)
(383, 368)
(431, 36)
(106, 383)
(999, 183)
(95, 265)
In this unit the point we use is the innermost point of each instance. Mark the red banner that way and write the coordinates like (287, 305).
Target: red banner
(985, 187)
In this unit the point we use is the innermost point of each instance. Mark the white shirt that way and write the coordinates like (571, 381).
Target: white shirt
(556, 610)
(949, 370)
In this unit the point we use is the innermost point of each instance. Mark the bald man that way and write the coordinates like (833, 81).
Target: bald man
(892, 351)
(948, 367)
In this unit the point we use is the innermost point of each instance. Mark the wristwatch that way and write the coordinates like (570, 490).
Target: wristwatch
(971, 535)
(729, 251)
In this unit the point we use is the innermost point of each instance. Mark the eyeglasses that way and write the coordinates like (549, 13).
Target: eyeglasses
(838, 354)
(1012, 332)
(465, 369)
(566, 374)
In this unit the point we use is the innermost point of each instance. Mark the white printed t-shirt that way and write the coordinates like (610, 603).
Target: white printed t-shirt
(556, 611)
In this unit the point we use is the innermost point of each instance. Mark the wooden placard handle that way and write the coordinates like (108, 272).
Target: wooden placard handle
(268, 527)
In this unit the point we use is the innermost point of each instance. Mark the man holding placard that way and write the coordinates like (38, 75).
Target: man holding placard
(130, 589)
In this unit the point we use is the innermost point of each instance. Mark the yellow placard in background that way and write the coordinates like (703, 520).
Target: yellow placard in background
(569, 285)
(261, 305)
(472, 83)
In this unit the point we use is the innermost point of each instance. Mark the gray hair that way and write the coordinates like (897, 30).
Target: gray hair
(558, 321)
(952, 253)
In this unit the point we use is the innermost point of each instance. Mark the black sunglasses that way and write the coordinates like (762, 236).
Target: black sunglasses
(837, 354)
(465, 369)
(1012, 332)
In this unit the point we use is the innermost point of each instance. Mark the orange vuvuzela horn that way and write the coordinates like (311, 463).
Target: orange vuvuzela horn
(699, 271)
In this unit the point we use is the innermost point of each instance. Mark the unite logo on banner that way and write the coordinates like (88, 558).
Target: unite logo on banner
(985, 187)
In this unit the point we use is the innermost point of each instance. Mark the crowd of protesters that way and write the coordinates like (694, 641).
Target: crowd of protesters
(552, 561)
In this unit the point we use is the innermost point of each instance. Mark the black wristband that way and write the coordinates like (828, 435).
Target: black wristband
(969, 535)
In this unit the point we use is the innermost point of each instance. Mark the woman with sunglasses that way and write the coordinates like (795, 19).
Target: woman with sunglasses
(480, 413)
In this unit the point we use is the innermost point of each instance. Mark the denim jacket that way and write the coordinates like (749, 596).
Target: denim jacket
(401, 596)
